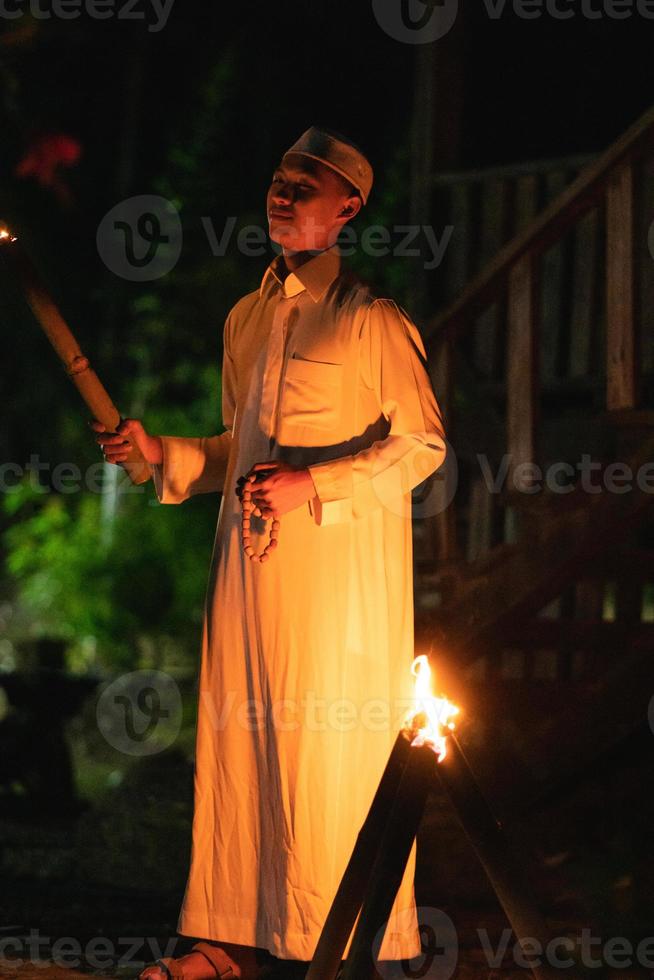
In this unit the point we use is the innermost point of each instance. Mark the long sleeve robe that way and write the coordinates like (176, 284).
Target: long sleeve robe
(305, 665)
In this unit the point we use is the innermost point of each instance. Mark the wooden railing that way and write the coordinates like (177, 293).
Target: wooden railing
(486, 209)
(598, 225)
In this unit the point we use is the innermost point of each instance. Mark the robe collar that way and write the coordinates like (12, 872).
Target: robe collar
(315, 276)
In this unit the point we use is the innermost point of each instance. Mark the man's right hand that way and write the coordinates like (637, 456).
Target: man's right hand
(116, 448)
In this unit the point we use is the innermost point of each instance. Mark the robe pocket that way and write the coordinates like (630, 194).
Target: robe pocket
(312, 393)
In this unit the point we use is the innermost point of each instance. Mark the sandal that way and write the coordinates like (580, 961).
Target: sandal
(219, 959)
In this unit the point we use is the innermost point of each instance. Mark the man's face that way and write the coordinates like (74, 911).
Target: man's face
(307, 204)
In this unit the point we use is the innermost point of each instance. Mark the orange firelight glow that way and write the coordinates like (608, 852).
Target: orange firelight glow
(430, 718)
(5, 235)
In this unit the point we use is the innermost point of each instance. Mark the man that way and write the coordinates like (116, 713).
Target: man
(306, 657)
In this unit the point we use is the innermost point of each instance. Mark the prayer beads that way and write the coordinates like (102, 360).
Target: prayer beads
(249, 508)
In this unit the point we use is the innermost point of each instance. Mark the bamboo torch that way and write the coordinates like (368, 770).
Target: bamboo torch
(75, 364)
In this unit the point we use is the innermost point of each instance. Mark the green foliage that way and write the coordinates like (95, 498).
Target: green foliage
(78, 577)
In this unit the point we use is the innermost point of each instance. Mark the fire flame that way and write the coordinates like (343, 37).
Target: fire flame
(6, 235)
(430, 719)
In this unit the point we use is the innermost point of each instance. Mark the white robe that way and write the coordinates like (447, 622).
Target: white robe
(305, 669)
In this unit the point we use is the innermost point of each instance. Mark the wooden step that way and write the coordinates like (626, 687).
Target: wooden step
(518, 583)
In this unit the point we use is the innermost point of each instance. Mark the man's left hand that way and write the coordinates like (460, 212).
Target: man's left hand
(283, 489)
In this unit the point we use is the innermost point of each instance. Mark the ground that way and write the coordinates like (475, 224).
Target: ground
(113, 874)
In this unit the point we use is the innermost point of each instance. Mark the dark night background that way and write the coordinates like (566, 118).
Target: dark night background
(92, 112)
(204, 107)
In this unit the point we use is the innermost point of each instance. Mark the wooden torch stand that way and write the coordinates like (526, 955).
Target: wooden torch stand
(376, 867)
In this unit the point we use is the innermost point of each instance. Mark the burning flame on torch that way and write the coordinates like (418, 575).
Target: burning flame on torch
(430, 719)
(6, 235)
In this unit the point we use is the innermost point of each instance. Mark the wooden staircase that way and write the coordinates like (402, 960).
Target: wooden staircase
(546, 357)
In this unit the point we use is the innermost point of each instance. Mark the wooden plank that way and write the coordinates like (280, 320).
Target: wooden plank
(645, 289)
(511, 525)
(577, 199)
(525, 202)
(526, 194)
(459, 257)
(620, 309)
(485, 342)
(553, 271)
(493, 236)
(443, 525)
(521, 370)
(441, 369)
(421, 162)
(584, 306)
(480, 520)
(555, 183)
(515, 170)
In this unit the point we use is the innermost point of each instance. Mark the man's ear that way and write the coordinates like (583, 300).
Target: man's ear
(351, 207)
